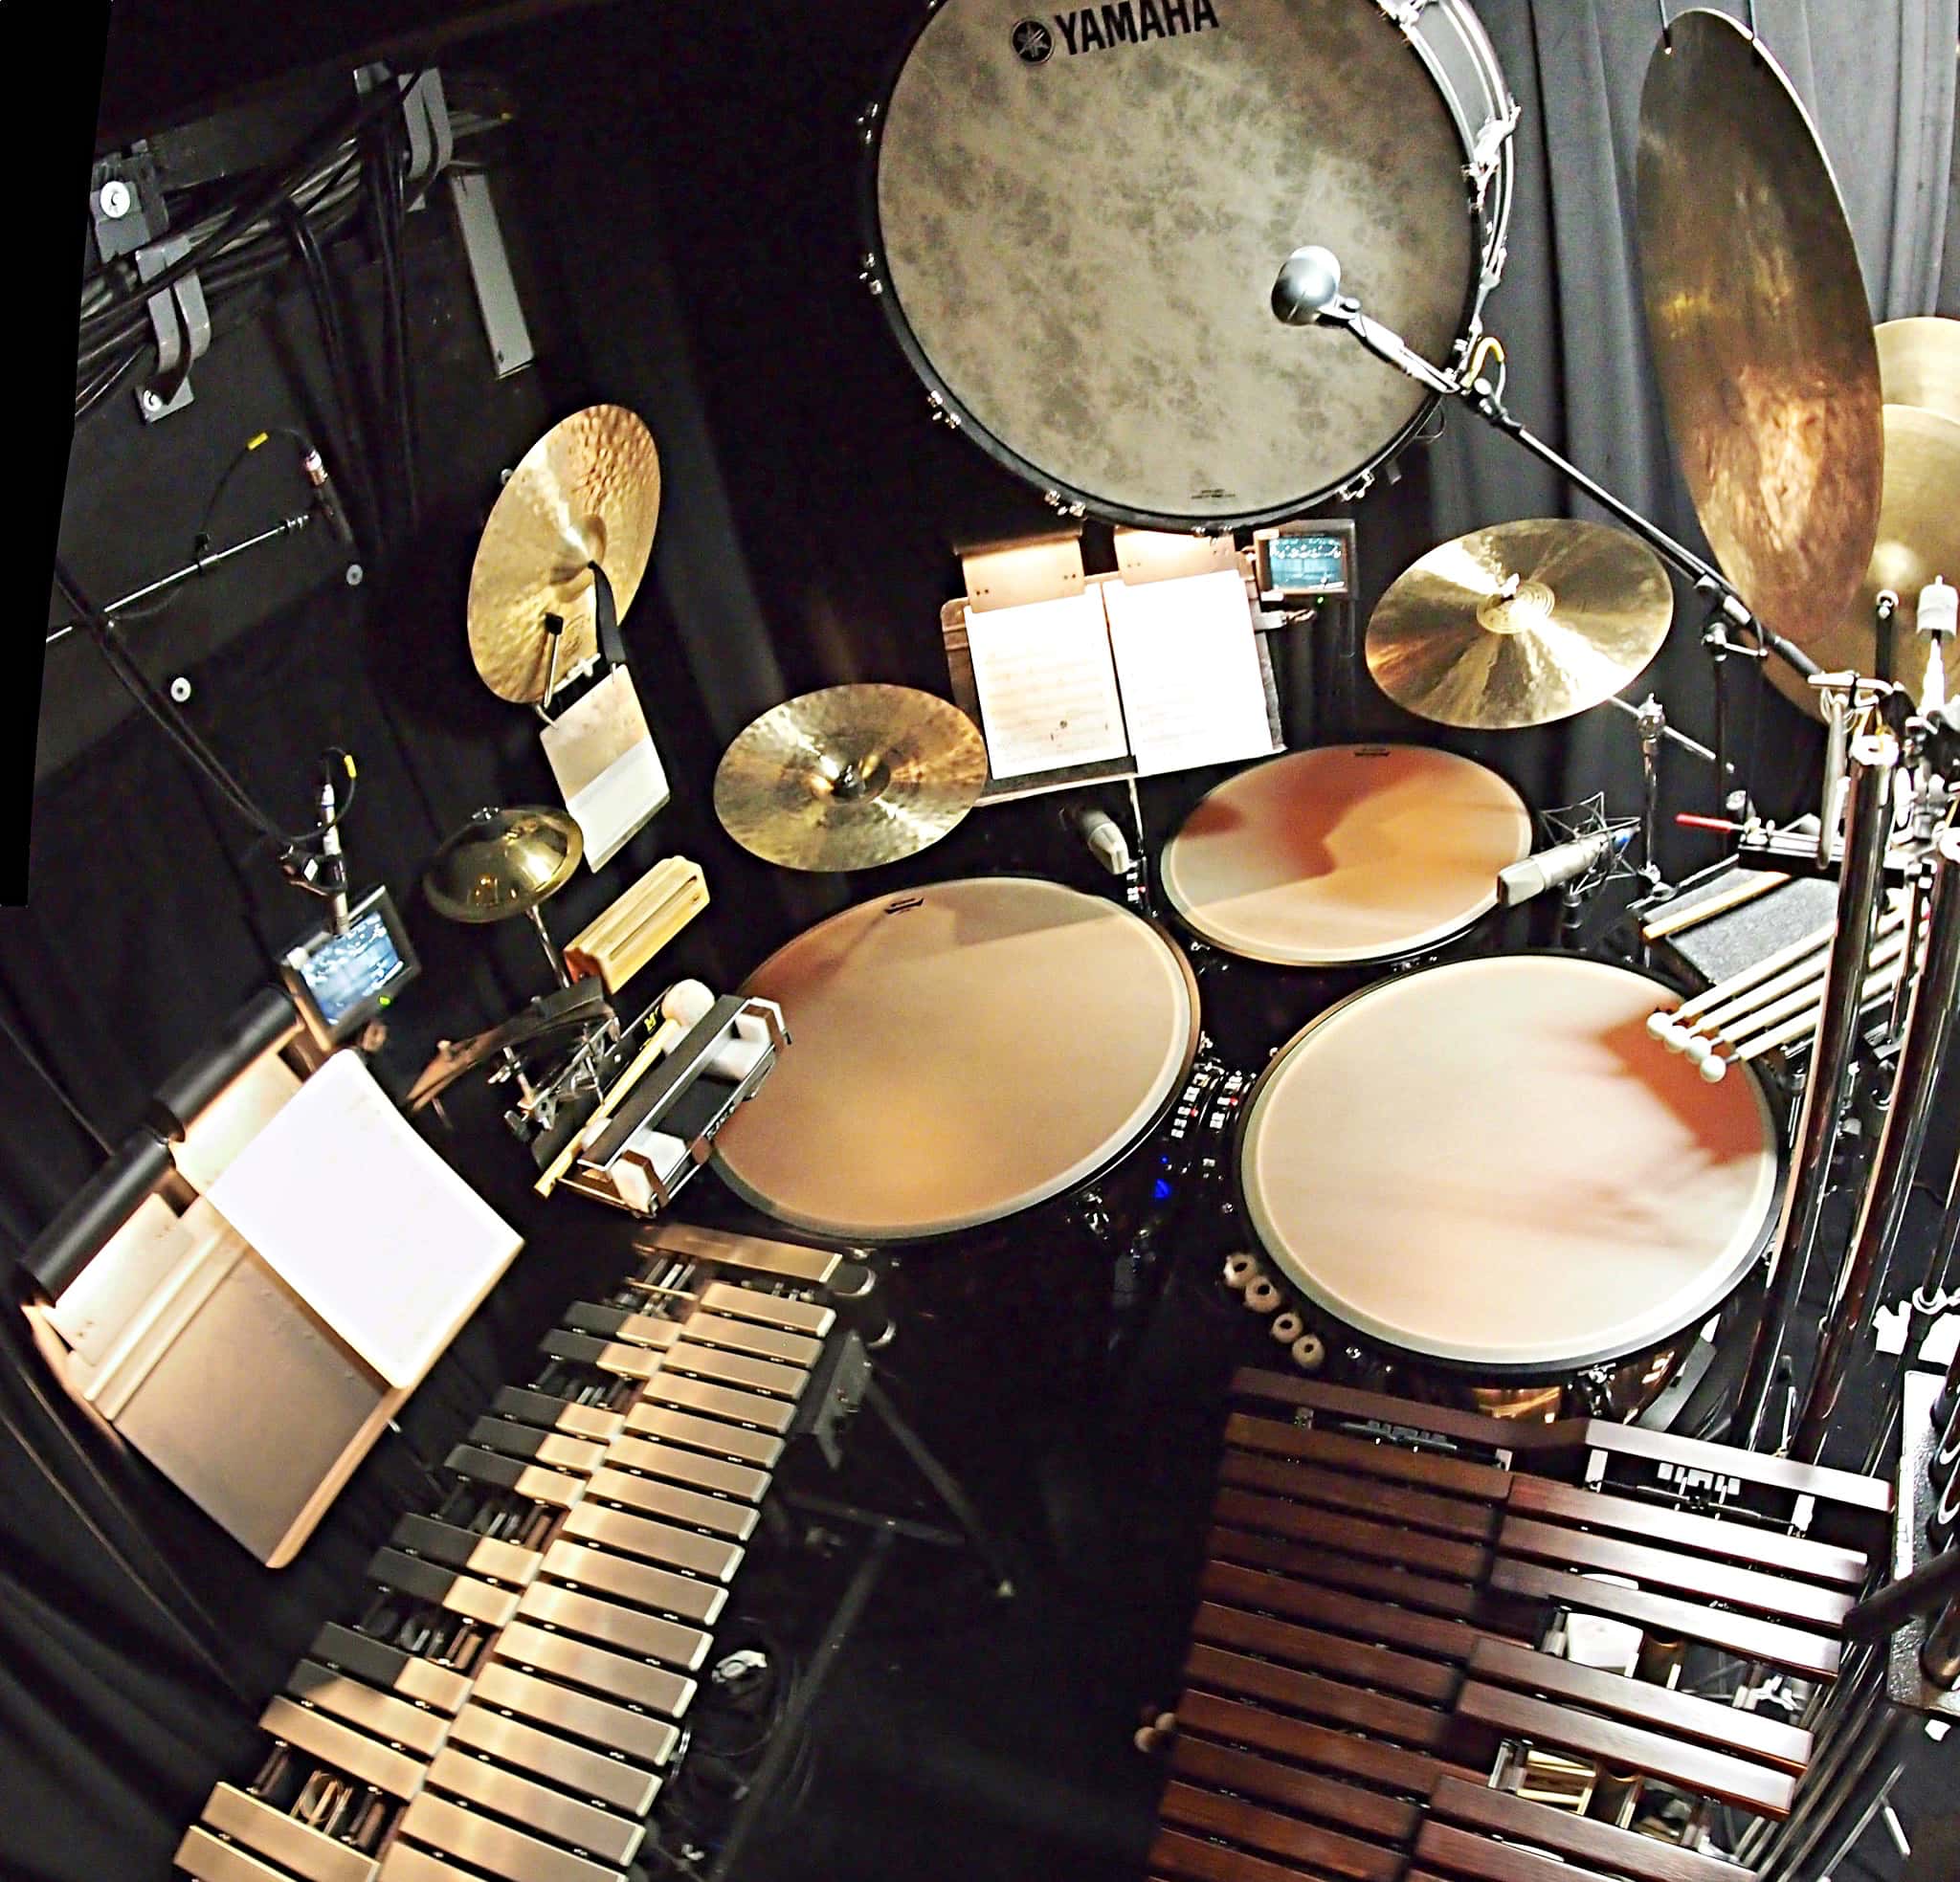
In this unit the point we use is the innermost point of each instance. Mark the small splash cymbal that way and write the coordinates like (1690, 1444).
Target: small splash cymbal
(587, 491)
(1520, 625)
(503, 863)
(850, 777)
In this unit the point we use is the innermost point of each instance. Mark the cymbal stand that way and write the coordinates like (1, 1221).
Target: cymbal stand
(1484, 399)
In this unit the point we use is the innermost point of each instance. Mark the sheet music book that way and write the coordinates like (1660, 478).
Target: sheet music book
(365, 1222)
(1047, 685)
(1189, 667)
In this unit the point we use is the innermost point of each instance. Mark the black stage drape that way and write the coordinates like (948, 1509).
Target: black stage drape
(680, 184)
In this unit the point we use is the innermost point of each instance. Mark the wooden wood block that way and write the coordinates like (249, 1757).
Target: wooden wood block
(1339, 1490)
(1344, 1613)
(1379, 1542)
(1386, 1820)
(1380, 1714)
(1737, 1541)
(1812, 1655)
(1328, 1568)
(1580, 1839)
(1370, 1457)
(1725, 1727)
(1359, 1663)
(1659, 1755)
(1273, 1833)
(1777, 1595)
(1339, 1753)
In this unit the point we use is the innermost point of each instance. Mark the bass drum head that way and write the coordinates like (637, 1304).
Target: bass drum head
(959, 1055)
(1491, 1164)
(1077, 247)
(1345, 854)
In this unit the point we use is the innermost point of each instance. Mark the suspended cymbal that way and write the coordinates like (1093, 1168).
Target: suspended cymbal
(1918, 365)
(850, 777)
(1919, 538)
(503, 863)
(1761, 331)
(587, 491)
(1520, 625)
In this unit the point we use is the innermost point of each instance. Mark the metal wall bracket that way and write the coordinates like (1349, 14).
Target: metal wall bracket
(126, 203)
(180, 325)
(497, 297)
(425, 114)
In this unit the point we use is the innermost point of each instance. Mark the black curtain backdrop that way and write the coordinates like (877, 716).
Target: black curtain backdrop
(679, 186)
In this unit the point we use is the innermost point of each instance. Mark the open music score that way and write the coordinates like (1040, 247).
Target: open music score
(1158, 676)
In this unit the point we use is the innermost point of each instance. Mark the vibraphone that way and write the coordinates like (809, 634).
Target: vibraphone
(516, 1693)
(1381, 1685)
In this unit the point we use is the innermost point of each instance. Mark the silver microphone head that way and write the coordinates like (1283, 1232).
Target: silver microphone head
(1308, 284)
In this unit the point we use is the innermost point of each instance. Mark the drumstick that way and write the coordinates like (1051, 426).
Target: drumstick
(683, 1003)
(1876, 992)
(1804, 997)
(1769, 996)
(1663, 1022)
(1679, 920)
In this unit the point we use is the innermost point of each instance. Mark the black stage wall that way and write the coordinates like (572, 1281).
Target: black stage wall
(678, 190)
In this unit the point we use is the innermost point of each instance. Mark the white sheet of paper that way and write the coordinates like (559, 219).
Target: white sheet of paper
(607, 768)
(365, 1222)
(1192, 691)
(1047, 685)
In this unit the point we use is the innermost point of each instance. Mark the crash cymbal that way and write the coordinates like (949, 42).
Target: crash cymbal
(1918, 365)
(1919, 538)
(587, 491)
(850, 777)
(1520, 625)
(503, 863)
(1761, 331)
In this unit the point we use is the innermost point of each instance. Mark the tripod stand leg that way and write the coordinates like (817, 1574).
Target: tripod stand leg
(946, 1488)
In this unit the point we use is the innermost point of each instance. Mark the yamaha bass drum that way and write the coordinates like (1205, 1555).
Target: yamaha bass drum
(1075, 219)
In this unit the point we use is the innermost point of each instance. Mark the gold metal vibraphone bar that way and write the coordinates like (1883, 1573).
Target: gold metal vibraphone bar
(514, 1697)
(1381, 1684)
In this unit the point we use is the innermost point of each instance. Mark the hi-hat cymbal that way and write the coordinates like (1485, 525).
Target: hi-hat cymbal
(1919, 538)
(850, 777)
(503, 863)
(1761, 331)
(1919, 363)
(1520, 625)
(587, 491)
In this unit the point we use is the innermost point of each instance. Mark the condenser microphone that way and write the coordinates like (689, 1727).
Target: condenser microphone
(1309, 283)
(324, 494)
(1103, 836)
(1554, 868)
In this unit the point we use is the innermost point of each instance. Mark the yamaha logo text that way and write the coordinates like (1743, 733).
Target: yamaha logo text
(1127, 22)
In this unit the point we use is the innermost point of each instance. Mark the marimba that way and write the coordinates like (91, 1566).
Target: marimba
(1381, 1661)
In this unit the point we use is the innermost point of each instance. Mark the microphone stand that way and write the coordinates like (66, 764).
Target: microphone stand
(1481, 396)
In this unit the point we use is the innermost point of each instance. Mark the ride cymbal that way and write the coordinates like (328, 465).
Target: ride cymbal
(850, 777)
(1919, 363)
(587, 491)
(1520, 625)
(1761, 331)
(503, 863)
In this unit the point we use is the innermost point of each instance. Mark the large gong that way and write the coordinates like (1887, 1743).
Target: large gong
(1076, 219)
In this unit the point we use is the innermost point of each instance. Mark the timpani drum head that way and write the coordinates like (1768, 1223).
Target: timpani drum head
(1345, 855)
(957, 1054)
(1491, 1164)
(1076, 219)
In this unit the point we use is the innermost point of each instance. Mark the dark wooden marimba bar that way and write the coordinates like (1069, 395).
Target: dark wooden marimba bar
(1380, 1658)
